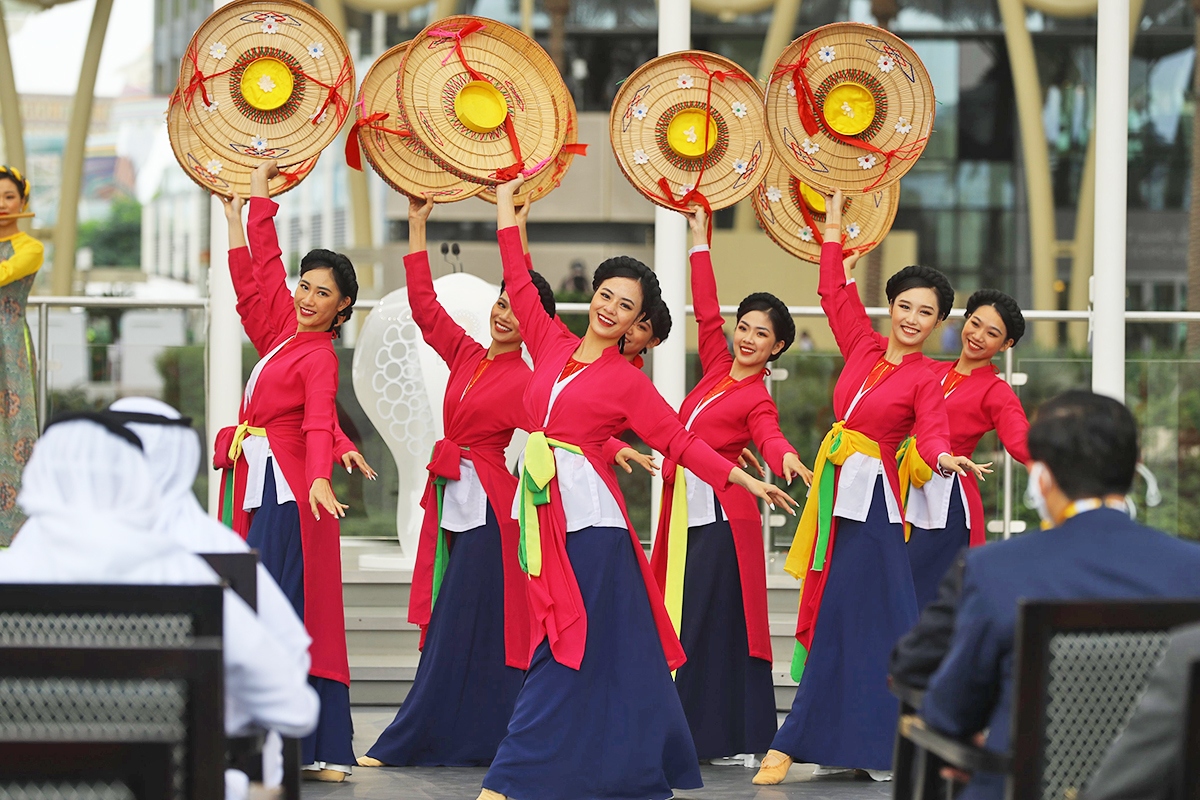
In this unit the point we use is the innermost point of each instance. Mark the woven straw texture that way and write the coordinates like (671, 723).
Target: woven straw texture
(792, 224)
(520, 71)
(550, 178)
(849, 106)
(267, 80)
(402, 161)
(211, 170)
(658, 131)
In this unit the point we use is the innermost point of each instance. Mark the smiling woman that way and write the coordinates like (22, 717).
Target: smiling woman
(282, 453)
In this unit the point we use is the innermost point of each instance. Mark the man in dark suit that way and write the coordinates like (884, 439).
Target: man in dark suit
(1083, 449)
(1146, 760)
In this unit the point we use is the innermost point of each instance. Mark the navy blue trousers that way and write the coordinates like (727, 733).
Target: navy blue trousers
(614, 729)
(275, 534)
(931, 553)
(728, 697)
(843, 714)
(463, 695)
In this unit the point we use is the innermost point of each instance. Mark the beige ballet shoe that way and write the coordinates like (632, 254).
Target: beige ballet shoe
(323, 775)
(367, 761)
(488, 794)
(774, 769)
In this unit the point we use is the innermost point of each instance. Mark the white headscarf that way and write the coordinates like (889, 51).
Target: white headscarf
(91, 505)
(173, 455)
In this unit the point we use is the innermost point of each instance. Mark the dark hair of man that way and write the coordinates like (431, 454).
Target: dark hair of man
(1006, 307)
(1089, 442)
(627, 267)
(919, 277)
(343, 276)
(545, 293)
(782, 324)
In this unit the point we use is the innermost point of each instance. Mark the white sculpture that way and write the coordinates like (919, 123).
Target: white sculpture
(399, 381)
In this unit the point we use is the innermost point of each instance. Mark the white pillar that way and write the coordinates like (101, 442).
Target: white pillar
(224, 356)
(1112, 142)
(670, 247)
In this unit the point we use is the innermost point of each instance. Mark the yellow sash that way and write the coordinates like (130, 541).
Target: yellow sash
(812, 534)
(243, 430)
(536, 473)
(677, 542)
(914, 472)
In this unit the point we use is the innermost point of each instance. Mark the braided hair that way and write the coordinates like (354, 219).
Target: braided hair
(343, 276)
(629, 267)
(921, 277)
(776, 310)
(20, 181)
(660, 322)
(545, 293)
(1006, 307)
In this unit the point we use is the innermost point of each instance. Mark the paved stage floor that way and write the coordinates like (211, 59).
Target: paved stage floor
(424, 783)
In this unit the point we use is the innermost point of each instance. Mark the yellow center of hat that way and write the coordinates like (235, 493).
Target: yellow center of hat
(267, 83)
(480, 106)
(849, 108)
(685, 133)
(812, 198)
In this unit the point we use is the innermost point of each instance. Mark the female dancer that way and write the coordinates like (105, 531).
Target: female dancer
(946, 514)
(842, 714)
(708, 555)
(20, 259)
(282, 453)
(468, 591)
(597, 716)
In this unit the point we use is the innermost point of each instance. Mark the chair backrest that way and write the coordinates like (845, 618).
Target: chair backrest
(1081, 667)
(91, 770)
(240, 571)
(1191, 737)
(92, 615)
(58, 697)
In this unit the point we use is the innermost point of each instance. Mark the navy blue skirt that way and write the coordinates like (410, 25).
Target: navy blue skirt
(728, 697)
(931, 553)
(462, 697)
(614, 729)
(843, 714)
(275, 534)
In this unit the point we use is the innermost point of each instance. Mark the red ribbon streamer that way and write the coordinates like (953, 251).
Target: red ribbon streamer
(197, 80)
(812, 117)
(812, 226)
(340, 103)
(354, 150)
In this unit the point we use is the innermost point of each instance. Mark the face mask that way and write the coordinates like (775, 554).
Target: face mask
(1033, 492)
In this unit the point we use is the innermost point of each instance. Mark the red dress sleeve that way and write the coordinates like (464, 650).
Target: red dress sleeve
(653, 419)
(932, 425)
(562, 326)
(537, 329)
(320, 415)
(847, 317)
(1008, 416)
(608, 454)
(249, 305)
(438, 328)
(764, 429)
(267, 261)
(714, 350)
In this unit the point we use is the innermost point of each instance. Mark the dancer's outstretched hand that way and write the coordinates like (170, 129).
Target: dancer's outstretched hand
(628, 456)
(320, 495)
(961, 464)
(747, 460)
(233, 207)
(775, 497)
(355, 459)
(793, 467)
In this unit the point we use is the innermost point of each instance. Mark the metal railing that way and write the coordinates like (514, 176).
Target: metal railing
(44, 303)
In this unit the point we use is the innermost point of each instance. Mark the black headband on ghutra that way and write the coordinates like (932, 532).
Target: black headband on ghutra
(104, 419)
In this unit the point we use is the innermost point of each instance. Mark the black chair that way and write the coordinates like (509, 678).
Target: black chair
(1191, 739)
(65, 712)
(240, 571)
(1081, 667)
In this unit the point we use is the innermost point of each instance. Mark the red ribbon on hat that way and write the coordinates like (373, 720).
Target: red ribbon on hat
(353, 149)
(812, 117)
(342, 106)
(820, 239)
(196, 82)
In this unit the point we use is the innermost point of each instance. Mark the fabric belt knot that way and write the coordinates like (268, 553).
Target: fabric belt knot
(537, 471)
(914, 473)
(243, 430)
(444, 465)
(810, 545)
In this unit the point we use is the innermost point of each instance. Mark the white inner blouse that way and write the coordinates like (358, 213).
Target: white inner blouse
(257, 450)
